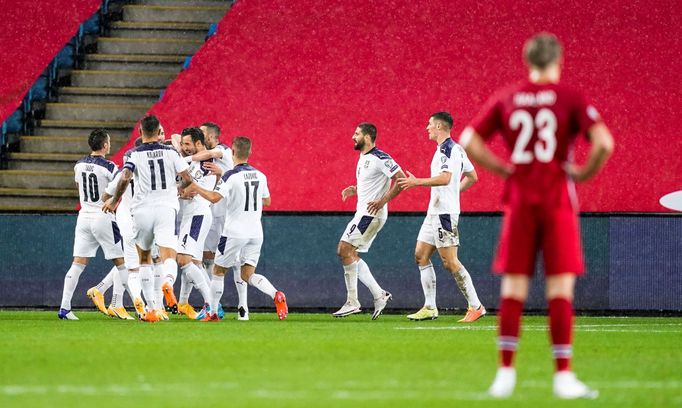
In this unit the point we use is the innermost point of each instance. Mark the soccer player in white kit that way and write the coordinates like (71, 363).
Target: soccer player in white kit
(196, 222)
(222, 155)
(439, 229)
(154, 167)
(374, 172)
(245, 190)
(93, 228)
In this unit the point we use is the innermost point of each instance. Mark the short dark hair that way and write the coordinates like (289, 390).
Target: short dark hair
(369, 129)
(241, 145)
(212, 127)
(542, 50)
(195, 133)
(444, 117)
(149, 124)
(97, 139)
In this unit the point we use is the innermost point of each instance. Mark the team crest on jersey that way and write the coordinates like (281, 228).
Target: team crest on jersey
(388, 163)
(443, 159)
(366, 164)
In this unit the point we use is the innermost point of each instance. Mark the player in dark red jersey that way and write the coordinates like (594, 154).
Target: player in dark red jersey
(539, 120)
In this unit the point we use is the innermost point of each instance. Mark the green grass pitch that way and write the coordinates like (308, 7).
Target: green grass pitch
(314, 360)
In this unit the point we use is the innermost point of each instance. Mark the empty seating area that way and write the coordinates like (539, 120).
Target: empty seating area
(108, 75)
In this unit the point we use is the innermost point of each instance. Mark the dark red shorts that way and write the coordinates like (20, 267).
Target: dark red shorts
(528, 229)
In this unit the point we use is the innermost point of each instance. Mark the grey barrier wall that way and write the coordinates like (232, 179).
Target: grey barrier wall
(633, 262)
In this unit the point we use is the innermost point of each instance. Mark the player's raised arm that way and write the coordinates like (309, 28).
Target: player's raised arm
(373, 207)
(208, 154)
(602, 148)
(476, 149)
(126, 176)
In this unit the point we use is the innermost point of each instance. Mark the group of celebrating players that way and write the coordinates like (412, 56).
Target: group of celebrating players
(539, 120)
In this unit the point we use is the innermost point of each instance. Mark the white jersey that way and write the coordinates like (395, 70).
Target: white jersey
(93, 174)
(225, 162)
(127, 197)
(203, 177)
(449, 157)
(374, 172)
(243, 189)
(154, 167)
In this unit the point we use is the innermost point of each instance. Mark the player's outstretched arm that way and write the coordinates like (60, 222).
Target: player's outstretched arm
(470, 177)
(212, 196)
(410, 181)
(476, 149)
(110, 204)
(373, 207)
(601, 150)
(208, 154)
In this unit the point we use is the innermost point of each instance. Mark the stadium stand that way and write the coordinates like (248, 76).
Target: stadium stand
(298, 76)
(108, 80)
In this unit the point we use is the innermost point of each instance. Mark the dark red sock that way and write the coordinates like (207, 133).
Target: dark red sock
(561, 332)
(509, 323)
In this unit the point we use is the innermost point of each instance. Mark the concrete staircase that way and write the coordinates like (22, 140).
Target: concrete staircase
(135, 60)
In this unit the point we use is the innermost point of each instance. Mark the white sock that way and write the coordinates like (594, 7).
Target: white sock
(198, 279)
(158, 282)
(350, 274)
(466, 286)
(124, 279)
(242, 287)
(170, 271)
(217, 287)
(368, 280)
(70, 282)
(262, 283)
(108, 280)
(428, 278)
(147, 281)
(134, 285)
(209, 264)
(185, 288)
(117, 295)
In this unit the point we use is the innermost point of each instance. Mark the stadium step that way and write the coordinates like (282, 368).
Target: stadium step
(63, 144)
(78, 111)
(43, 161)
(178, 14)
(121, 79)
(15, 200)
(37, 179)
(134, 62)
(193, 3)
(184, 31)
(110, 45)
(70, 94)
(50, 127)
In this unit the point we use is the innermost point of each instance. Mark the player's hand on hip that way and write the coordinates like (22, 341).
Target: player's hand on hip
(373, 207)
(348, 192)
(408, 182)
(574, 172)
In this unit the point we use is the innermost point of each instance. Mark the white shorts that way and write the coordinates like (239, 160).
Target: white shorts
(213, 236)
(130, 255)
(361, 231)
(155, 225)
(440, 230)
(193, 232)
(238, 251)
(95, 230)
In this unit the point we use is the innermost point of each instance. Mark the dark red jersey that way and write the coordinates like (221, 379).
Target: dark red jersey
(539, 124)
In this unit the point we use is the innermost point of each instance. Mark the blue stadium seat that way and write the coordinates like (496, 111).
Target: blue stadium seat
(92, 25)
(188, 61)
(212, 29)
(15, 122)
